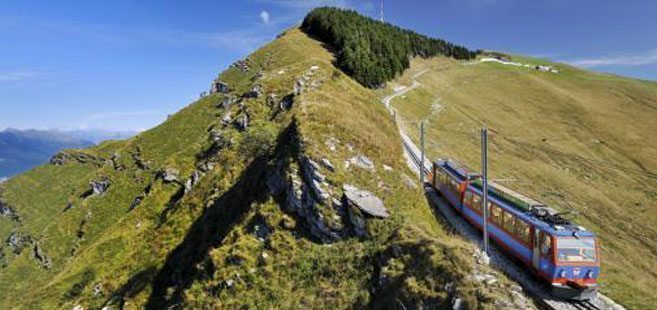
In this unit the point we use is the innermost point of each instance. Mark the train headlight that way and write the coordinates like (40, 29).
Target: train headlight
(562, 274)
(589, 274)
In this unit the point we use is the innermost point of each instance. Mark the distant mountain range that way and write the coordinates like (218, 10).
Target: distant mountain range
(21, 150)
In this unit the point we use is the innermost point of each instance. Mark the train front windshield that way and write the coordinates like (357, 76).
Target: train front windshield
(572, 250)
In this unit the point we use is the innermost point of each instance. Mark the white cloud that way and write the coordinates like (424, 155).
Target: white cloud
(18, 76)
(264, 15)
(640, 59)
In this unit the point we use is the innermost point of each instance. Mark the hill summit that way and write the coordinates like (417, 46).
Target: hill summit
(285, 187)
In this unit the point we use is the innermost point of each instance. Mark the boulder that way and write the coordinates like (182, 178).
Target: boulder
(287, 102)
(357, 221)
(99, 187)
(299, 86)
(219, 87)
(227, 119)
(271, 100)
(362, 161)
(365, 201)
(41, 257)
(327, 164)
(255, 92)
(242, 123)
(169, 175)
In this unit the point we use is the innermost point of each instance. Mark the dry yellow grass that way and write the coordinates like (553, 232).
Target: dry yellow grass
(579, 141)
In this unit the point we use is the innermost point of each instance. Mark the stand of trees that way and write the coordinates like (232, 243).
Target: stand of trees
(370, 51)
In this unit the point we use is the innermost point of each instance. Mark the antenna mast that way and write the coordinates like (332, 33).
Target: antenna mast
(381, 10)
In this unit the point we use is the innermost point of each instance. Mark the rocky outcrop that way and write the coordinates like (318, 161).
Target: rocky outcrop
(97, 187)
(116, 163)
(17, 242)
(168, 175)
(362, 161)
(65, 157)
(8, 212)
(242, 65)
(41, 257)
(255, 92)
(365, 201)
(242, 122)
(100, 187)
(219, 87)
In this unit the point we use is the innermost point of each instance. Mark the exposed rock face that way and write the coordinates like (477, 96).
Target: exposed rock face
(97, 187)
(64, 157)
(242, 65)
(255, 92)
(327, 164)
(6, 211)
(299, 86)
(365, 201)
(227, 119)
(18, 242)
(242, 123)
(115, 161)
(41, 257)
(169, 175)
(287, 102)
(362, 161)
(271, 100)
(219, 87)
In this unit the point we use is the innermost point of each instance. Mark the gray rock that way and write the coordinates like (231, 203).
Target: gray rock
(219, 87)
(243, 122)
(255, 92)
(271, 100)
(332, 144)
(457, 304)
(362, 161)
(327, 164)
(227, 119)
(286, 103)
(357, 221)
(169, 175)
(100, 187)
(387, 168)
(98, 290)
(365, 201)
(41, 257)
(299, 86)
(6, 211)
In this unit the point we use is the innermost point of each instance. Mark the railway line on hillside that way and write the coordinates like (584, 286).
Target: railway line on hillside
(532, 287)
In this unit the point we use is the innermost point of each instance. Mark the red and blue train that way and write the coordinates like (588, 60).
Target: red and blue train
(565, 255)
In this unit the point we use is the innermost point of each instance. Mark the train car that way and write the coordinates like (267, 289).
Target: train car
(566, 256)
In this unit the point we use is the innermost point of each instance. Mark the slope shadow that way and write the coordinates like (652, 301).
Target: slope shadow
(181, 267)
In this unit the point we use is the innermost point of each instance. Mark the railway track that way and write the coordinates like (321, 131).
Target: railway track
(535, 289)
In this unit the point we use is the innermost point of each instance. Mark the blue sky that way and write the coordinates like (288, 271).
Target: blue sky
(125, 65)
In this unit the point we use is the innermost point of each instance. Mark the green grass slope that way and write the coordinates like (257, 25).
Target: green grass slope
(147, 242)
(580, 141)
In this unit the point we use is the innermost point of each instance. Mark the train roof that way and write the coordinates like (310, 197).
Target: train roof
(528, 209)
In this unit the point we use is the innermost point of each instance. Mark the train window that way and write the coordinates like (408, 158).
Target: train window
(509, 222)
(576, 250)
(496, 214)
(546, 244)
(476, 202)
(522, 231)
(468, 198)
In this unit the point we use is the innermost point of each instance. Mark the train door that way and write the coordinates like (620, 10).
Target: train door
(536, 248)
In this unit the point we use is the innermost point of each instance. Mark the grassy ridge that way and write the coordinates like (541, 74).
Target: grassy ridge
(577, 140)
(187, 251)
